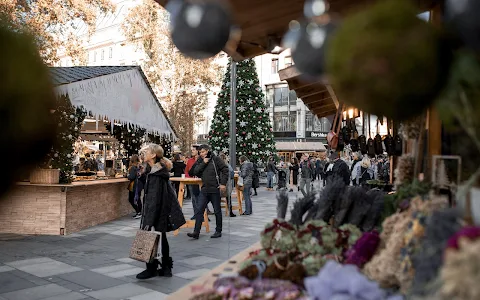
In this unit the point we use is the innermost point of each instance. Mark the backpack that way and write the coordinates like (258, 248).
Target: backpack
(341, 143)
(398, 145)
(362, 142)
(371, 147)
(389, 146)
(346, 134)
(354, 145)
(378, 144)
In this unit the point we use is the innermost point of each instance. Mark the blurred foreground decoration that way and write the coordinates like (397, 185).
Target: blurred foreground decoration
(386, 61)
(27, 98)
(199, 29)
(309, 39)
(459, 106)
(462, 16)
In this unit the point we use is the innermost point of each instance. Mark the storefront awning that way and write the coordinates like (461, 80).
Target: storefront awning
(118, 93)
(300, 146)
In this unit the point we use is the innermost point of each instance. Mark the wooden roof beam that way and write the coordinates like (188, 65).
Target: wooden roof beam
(333, 95)
(324, 113)
(309, 93)
(297, 83)
(232, 45)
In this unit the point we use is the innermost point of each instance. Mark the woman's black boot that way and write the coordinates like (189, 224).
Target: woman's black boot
(167, 265)
(150, 272)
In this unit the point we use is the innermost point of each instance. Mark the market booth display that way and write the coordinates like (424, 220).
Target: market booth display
(104, 115)
(365, 242)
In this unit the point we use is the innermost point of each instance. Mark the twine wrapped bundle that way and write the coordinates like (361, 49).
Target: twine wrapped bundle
(461, 272)
(386, 266)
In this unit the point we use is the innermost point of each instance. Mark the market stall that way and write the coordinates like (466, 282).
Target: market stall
(104, 115)
(350, 241)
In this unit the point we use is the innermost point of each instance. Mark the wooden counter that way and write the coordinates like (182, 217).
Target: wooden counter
(206, 281)
(57, 209)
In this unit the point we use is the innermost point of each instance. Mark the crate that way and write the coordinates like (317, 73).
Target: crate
(45, 176)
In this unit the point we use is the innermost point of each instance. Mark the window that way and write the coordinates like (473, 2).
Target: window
(110, 52)
(288, 61)
(280, 96)
(312, 123)
(285, 121)
(95, 56)
(269, 96)
(292, 97)
(274, 65)
(103, 55)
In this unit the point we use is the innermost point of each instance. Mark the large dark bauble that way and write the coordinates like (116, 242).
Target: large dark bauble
(201, 30)
(386, 61)
(26, 98)
(308, 41)
(463, 17)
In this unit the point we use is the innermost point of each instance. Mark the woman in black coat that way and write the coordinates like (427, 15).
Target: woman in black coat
(161, 210)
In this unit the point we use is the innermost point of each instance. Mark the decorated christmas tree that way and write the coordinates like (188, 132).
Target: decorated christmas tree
(254, 130)
(69, 120)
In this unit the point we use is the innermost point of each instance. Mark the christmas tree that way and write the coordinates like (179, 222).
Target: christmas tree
(69, 120)
(254, 130)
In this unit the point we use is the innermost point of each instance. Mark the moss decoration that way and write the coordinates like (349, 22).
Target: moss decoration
(386, 61)
(26, 98)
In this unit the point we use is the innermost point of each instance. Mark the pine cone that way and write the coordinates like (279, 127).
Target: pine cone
(404, 172)
(411, 129)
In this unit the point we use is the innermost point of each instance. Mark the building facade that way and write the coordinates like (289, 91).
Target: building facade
(295, 128)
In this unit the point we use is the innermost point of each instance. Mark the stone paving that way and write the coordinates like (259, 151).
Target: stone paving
(94, 263)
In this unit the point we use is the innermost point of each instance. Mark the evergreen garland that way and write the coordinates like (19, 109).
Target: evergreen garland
(165, 142)
(129, 136)
(69, 120)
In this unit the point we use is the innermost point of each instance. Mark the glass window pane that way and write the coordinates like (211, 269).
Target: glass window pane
(284, 96)
(293, 122)
(292, 96)
(269, 96)
(278, 96)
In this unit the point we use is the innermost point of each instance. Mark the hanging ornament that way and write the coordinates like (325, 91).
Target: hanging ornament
(463, 17)
(366, 75)
(308, 41)
(199, 29)
(314, 8)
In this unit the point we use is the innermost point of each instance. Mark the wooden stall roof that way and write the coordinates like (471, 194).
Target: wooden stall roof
(263, 23)
(317, 94)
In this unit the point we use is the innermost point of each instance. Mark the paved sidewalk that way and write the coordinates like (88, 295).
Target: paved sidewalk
(94, 263)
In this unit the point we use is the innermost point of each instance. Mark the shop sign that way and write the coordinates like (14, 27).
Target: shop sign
(317, 135)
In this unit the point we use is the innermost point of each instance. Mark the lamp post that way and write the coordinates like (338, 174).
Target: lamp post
(233, 115)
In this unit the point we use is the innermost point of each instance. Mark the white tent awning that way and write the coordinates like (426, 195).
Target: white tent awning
(124, 97)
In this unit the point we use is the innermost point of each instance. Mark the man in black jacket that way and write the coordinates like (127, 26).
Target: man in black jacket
(214, 173)
(338, 169)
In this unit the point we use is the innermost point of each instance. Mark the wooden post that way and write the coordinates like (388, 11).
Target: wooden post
(434, 124)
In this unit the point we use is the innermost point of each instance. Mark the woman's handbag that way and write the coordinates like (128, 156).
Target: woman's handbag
(145, 246)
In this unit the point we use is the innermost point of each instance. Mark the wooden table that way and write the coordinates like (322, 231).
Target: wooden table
(229, 267)
(181, 192)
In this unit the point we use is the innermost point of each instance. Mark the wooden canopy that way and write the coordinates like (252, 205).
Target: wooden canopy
(317, 94)
(263, 23)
